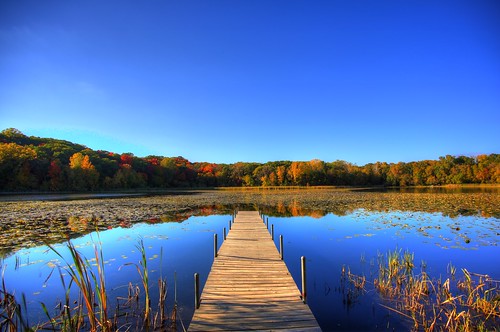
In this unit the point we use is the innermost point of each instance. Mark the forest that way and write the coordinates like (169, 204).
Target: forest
(29, 163)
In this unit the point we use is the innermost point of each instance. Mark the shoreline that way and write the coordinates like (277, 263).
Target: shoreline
(47, 195)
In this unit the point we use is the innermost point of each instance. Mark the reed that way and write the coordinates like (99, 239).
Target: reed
(162, 297)
(100, 288)
(13, 315)
(142, 270)
(90, 310)
(471, 304)
(91, 286)
(68, 318)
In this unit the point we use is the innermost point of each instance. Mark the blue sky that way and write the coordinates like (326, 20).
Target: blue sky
(228, 81)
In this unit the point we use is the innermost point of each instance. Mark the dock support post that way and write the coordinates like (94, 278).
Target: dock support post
(281, 247)
(272, 232)
(303, 270)
(224, 233)
(229, 224)
(215, 245)
(267, 222)
(196, 290)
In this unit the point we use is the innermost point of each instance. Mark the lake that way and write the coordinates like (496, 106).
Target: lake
(336, 231)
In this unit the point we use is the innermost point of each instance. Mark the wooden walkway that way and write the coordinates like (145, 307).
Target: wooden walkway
(249, 287)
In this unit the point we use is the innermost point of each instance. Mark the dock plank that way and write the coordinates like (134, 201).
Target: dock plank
(249, 287)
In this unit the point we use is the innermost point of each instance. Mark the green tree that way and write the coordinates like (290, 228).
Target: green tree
(15, 166)
(127, 177)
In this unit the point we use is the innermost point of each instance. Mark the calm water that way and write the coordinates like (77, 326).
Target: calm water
(328, 242)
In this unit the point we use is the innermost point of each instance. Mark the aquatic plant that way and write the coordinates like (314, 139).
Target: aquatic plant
(13, 315)
(90, 310)
(142, 270)
(471, 304)
(91, 285)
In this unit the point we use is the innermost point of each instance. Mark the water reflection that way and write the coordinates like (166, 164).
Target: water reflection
(436, 189)
(172, 248)
(24, 235)
(52, 224)
(333, 240)
(304, 209)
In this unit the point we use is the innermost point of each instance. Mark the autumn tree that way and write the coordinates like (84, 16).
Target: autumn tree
(338, 173)
(155, 172)
(262, 176)
(317, 172)
(295, 173)
(126, 159)
(206, 174)
(82, 173)
(55, 175)
(281, 175)
(34, 163)
(487, 169)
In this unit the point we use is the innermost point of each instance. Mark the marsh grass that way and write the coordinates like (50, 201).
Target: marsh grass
(142, 270)
(90, 310)
(13, 315)
(92, 289)
(471, 303)
(352, 287)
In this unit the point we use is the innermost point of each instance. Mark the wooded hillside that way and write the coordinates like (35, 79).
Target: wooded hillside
(34, 163)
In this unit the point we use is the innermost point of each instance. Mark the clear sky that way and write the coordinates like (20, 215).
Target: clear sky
(235, 80)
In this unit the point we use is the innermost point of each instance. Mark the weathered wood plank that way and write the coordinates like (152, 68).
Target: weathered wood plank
(249, 287)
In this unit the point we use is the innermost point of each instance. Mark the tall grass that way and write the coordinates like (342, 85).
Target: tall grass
(470, 304)
(90, 311)
(91, 285)
(142, 270)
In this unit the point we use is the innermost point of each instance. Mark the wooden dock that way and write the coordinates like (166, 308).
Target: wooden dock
(249, 287)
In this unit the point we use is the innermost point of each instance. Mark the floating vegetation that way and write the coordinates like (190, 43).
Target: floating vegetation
(30, 223)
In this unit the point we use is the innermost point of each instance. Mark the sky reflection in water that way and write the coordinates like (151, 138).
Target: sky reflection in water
(328, 242)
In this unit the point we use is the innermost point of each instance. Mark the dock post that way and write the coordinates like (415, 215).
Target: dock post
(272, 232)
(215, 245)
(229, 224)
(224, 233)
(281, 247)
(303, 270)
(267, 222)
(196, 290)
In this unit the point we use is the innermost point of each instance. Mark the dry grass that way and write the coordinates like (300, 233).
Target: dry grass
(471, 303)
(90, 310)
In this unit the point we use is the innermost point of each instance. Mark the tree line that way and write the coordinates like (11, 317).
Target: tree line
(34, 163)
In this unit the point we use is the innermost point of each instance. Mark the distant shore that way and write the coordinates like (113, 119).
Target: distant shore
(7, 196)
